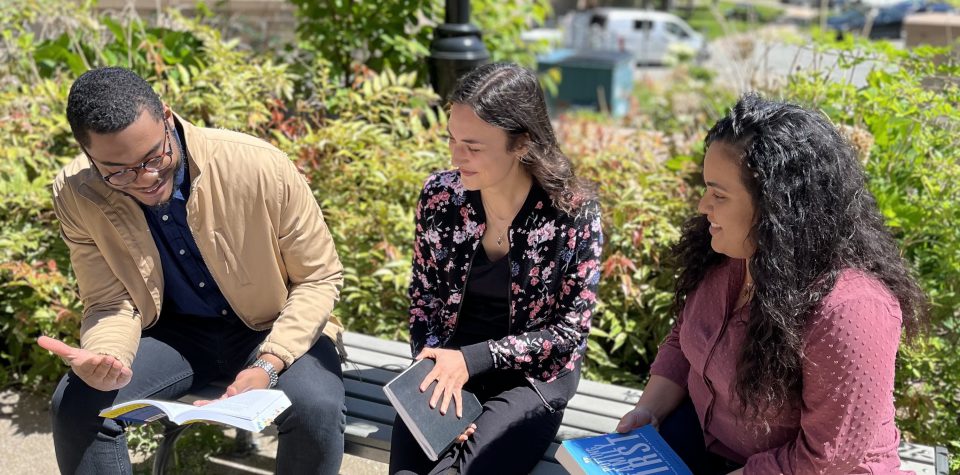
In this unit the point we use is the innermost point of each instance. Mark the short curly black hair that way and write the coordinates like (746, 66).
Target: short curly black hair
(107, 100)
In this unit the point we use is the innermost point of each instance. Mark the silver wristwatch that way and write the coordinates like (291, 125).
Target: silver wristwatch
(268, 367)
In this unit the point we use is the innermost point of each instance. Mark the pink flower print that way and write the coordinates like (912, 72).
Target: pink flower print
(571, 243)
(446, 179)
(587, 295)
(519, 346)
(436, 199)
(535, 272)
(541, 234)
(455, 298)
(534, 281)
(583, 267)
(473, 229)
(515, 288)
(547, 344)
(539, 205)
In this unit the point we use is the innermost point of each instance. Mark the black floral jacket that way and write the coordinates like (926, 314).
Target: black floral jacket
(554, 262)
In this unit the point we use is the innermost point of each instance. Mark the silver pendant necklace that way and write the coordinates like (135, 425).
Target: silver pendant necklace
(490, 214)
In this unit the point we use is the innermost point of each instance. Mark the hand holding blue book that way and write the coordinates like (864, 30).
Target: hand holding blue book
(638, 452)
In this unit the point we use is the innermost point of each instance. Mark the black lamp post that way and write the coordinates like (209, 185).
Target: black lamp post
(456, 49)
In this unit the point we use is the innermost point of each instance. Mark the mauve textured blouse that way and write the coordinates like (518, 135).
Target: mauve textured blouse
(844, 422)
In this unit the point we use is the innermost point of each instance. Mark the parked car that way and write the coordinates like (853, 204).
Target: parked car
(887, 21)
(648, 35)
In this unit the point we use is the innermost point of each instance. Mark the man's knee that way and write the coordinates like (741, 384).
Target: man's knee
(73, 399)
(318, 407)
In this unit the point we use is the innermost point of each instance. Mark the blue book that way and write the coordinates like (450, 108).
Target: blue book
(638, 452)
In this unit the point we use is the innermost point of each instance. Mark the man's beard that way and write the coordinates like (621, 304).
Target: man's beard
(163, 205)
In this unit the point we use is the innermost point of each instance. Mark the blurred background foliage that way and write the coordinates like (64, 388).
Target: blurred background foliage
(367, 132)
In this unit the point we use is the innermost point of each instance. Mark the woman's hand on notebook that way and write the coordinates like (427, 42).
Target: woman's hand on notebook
(450, 373)
(466, 433)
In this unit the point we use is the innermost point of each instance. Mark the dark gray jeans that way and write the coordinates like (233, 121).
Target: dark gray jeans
(183, 352)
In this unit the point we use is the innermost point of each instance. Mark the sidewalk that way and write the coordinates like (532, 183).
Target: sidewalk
(26, 444)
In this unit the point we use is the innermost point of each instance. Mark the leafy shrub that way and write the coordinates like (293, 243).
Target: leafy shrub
(367, 166)
(353, 36)
(644, 196)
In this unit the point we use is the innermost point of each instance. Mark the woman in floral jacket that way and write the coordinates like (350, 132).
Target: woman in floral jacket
(505, 275)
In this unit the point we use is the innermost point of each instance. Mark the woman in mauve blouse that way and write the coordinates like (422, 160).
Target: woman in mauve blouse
(791, 296)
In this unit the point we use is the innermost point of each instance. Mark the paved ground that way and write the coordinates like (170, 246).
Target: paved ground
(26, 444)
(768, 55)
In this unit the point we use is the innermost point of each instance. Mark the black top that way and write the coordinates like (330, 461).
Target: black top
(485, 312)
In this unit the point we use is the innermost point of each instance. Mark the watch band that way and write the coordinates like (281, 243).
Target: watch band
(269, 369)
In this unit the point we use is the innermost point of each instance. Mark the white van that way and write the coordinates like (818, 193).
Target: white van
(648, 34)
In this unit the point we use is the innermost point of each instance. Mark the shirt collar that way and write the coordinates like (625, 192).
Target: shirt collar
(180, 192)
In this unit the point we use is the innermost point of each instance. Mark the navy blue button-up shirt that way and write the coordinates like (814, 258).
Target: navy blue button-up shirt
(188, 287)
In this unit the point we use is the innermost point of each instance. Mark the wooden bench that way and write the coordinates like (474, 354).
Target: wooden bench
(596, 409)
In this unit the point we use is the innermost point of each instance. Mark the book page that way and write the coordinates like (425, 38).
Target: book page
(252, 410)
(145, 410)
(246, 405)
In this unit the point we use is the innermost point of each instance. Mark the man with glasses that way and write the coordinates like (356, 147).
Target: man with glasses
(200, 254)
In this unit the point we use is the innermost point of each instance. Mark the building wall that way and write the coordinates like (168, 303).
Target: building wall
(259, 22)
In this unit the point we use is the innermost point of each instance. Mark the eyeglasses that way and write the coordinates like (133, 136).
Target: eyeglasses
(156, 164)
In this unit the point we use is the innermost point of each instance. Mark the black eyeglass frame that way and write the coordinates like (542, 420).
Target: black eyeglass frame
(155, 164)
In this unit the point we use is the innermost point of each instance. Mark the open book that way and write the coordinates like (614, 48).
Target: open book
(638, 452)
(252, 410)
(434, 432)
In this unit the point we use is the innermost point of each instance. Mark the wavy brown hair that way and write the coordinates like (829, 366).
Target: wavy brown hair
(509, 97)
(814, 218)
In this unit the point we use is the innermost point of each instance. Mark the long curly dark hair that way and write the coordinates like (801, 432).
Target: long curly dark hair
(509, 97)
(814, 218)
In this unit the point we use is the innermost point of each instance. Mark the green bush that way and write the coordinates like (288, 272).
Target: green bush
(357, 36)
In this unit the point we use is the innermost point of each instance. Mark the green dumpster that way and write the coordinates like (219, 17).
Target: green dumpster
(598, 80)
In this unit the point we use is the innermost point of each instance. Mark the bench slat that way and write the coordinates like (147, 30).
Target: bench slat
(580, 402)
(365, 360)
(367, 342)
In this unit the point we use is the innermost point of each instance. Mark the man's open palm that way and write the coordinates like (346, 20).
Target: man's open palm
(98, 371)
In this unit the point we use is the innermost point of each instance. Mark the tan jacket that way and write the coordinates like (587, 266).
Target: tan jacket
(259, 231)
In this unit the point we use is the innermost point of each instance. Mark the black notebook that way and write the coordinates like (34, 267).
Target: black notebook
(434, 432)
